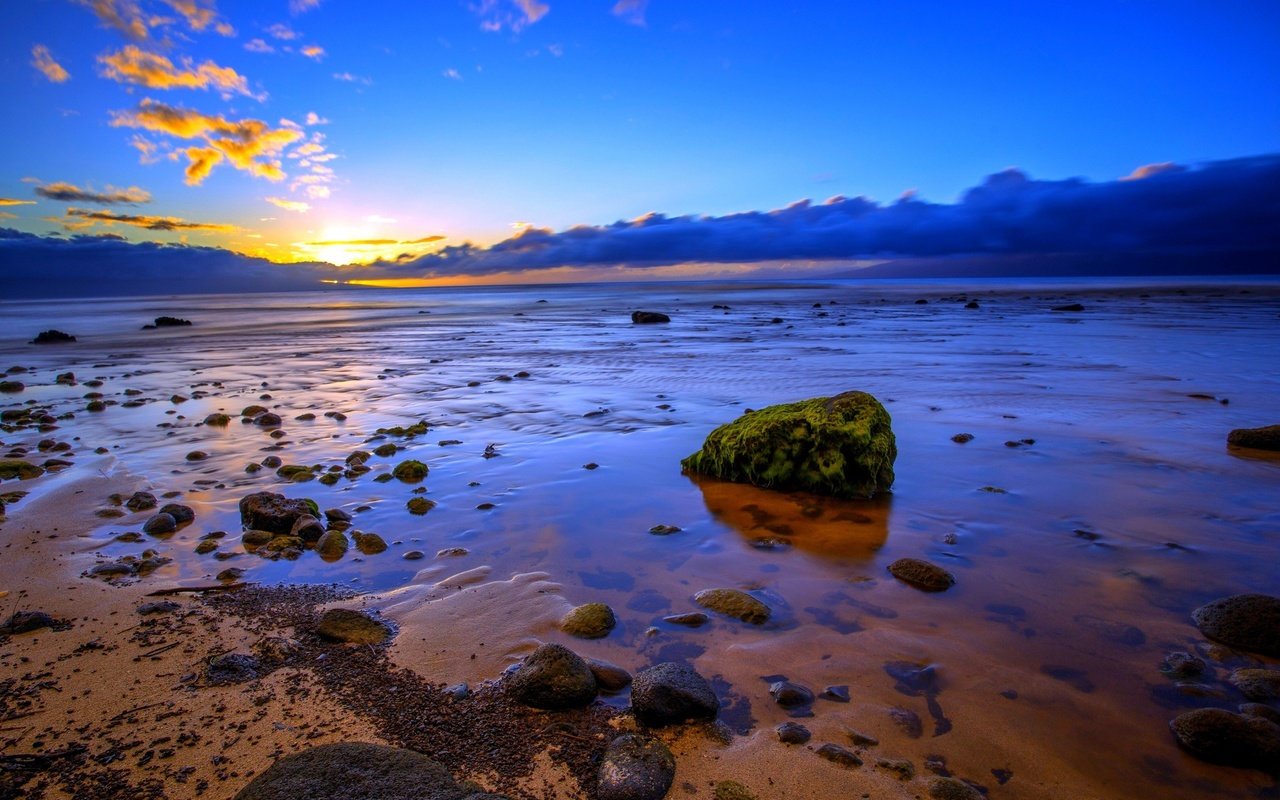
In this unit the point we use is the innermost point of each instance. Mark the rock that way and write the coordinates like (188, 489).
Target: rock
(691, 619)
(841, 446)
(553, 677)
(232, 668)
(670, 693)
(635, 767)
(589, 621)
(17, 468)
(609, 677)
(1261, 711)
(792, 733)
(336, 515)
(733, 603)
(664, 530)
(141, 501)
(410, 471)
(414, 555)
(332, 545)
(256, 538)
(25, 622)
(953, 789)
(789, 695)
(206, 546)
(349, 770)
(307, 528)
(52, 337)
(1221, 737)
(268, 419)
(901, 767)
(275, 649)
(731, 790)
(12, 387)
(369, 543)
(836, 694)
(648, 317)
(181, 514)
(962, 438)
(273, 512)
(1259, 685)
(922, 575)
(419, 505)
(1069, 307)
(253, 411)
(1182, 665)
(160, 524)
(862, 739)
(158, 607)
(839, 755)
(296, 473)
(345, 625)
(171, 322)
(1245, 621)
(230, 574)
(1265, 438)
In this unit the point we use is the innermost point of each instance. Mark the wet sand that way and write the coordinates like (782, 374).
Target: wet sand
(1073, 580)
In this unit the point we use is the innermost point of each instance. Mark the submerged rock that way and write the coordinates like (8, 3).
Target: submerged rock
(648, 317)
(332, 545)
(670, 693)
(356, 770)
(17, 468)
(160, 524)
(792, 733)
(1247, 621)
(1221, 737)
(841, 446)
(553, 677)
(635, 767)
(839, 755)
(922, 574)
(1265, 438)
(410, 471)
(734, 603)
(345, 625)
(589, 621)
(276, 513)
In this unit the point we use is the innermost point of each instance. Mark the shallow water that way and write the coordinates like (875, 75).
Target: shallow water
(1046, 651)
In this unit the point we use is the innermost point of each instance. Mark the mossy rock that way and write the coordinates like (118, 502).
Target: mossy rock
(17, 468)
(732, 790)
(345, 625)
(420, 505)
(734, 603)
(410, 471)
(296, 473)
(218, 420)
(589, 621)
(840, 446)
(369, 543)
(332, 545)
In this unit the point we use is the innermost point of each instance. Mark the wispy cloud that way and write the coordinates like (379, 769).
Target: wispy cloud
(250, 145)
(296, 206)
(452, 74)
(313, 51)
(1218, 207)
(129, 18)
(201, 16)
(70, 193)
(124, 16)
(44, 61)
(315, 119)
(347, 77)
(258, 46)
(631, 11)
(512, 15)
(136, 66)
(146, 221)
(297, 7)
(283, 32)
(12, 201)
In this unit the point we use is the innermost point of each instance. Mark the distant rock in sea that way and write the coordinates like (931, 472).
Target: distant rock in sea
(646, 317)
(167, 322)
(52, 336)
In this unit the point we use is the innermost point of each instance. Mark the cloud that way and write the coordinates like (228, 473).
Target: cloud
(296, 206)
(250, 145)
(283, 32)
(146, 221)
(11, 201)
(512, 15)
(8, 215)
(201, 16)
(297, 7)
(123, 15)
(42, 266)
(70, 193)
(1218, 207)
(138, 67)
(314, 51)
(1147, 170)
(315, 119)
(43, 60)
(347, 77)
(258, 46)
(631, 11)
(452, 74)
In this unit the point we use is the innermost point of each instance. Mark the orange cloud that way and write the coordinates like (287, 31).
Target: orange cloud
(250, 145)
(70, 193)
(1147, 170)
(43, 60)
(200, 16)
(313, 51)
(123, 15)
(10, 201)
(144, 221)
(152, 70)
(289, 205)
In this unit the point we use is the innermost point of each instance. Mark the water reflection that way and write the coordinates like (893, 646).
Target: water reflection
(822, 526)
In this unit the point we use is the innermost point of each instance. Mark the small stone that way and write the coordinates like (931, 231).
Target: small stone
(345, 625)
(792, 733)
(230, 574)
(837, 694)
(232, 668)
(609, 677)
(790, 695)
(369, 543)
(945, 788)
(1221, 737)
(691, 619)
(962, 438)
(158, 607)
(410, 471)
(922, 574)
(181, 514)
(839, 755)
(414, 555)
(553, 677)
(901, 767)
(670, 693)
(664, 530)
(734, 603)
(307, 528)
(589, 621)
(648, 317)
(160, 524)
(332, 545)
(635, 767)
(141, 501)
(420, 505)
(1266, 438)
(217, 420)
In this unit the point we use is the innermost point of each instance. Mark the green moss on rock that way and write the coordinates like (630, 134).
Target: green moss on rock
(589, 621)
(841, 446)
(17, 468)
(410, 471)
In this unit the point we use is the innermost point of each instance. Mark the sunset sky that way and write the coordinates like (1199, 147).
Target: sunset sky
(329, 130)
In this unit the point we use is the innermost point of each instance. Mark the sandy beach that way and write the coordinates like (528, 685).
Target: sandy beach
(1094, 505)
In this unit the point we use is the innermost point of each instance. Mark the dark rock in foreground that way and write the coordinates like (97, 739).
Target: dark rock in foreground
(52, 336)
(351, 770)
(1221, 737)
(670, 693)
(648, 317)
(1247, 621)
(345, 625)
(276, 513)
(922, 575)
(635, 767)
(25, 622)
(953, 789)
(1265, 438)
(841, 446)
(553, 677)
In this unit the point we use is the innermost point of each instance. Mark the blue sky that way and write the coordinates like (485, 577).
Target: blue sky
(462, 118)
